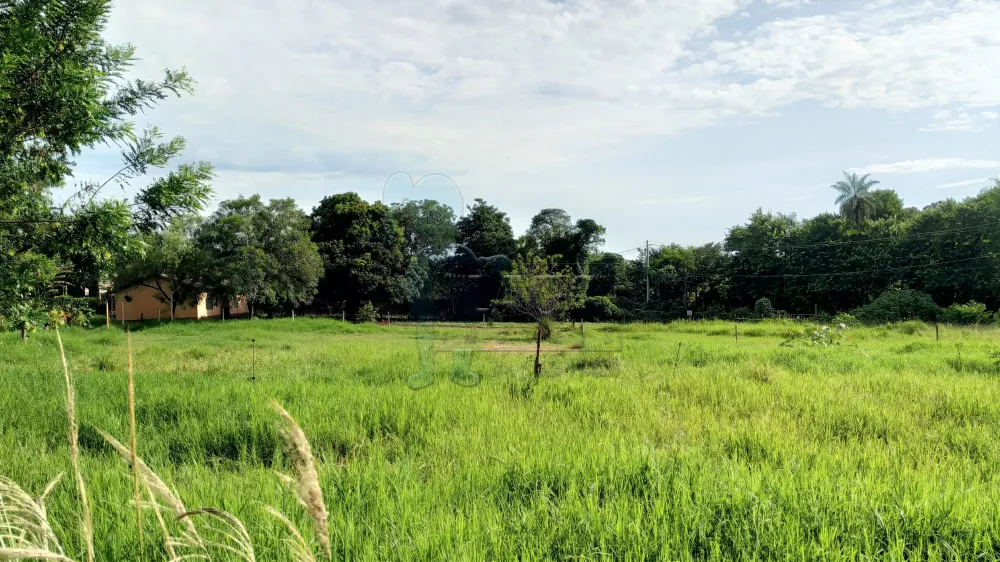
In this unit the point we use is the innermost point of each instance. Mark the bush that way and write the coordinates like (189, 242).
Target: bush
(599, 309)
(845, 319)
(366, 314)
(897, 305)
(764, 308)
(970, 313)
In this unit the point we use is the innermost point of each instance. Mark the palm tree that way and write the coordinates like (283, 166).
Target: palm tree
(855, 197)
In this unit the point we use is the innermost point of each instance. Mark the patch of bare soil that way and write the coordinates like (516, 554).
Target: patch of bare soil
(497, 346)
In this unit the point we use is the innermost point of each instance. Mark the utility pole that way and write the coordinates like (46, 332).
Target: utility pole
(647, 270)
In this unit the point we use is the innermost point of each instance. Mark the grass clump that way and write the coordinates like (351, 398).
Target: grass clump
(911, 327)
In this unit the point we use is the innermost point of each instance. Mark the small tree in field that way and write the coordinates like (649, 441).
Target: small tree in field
(537, 288)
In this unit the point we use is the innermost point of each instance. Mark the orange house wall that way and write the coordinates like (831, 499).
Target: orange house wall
(146, 304)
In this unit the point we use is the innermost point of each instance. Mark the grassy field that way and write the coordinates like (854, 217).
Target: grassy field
(885, 447)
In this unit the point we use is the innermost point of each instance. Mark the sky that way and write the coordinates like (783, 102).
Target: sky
(667, 121)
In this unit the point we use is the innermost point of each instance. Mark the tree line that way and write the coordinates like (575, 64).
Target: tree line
(64, 89)
(418, 258)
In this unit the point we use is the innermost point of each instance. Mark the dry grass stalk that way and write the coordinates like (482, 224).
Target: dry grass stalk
(235, 538)
(299, 547)
(74, 452)
(48, 490)
(155, 506)
(307, 486)
(133, 447)
(24, 527)
(153, 482)
(30, 554)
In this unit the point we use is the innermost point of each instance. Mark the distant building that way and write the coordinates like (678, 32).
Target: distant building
(143, 302)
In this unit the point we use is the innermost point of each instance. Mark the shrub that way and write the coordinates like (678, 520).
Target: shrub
(897, 305)
(366, 314)
(545, 325)
(970, 313)
(845, 319)
(764, 308)
(599, 309)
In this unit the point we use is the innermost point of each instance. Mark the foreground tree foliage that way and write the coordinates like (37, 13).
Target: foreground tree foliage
(62, 91)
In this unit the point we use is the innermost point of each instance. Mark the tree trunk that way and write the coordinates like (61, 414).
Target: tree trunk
(538, 351)
(24, 334)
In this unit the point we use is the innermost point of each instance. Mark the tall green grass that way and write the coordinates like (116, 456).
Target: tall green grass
(887, 447)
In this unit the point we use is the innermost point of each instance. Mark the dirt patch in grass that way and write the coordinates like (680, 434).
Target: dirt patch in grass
(505, 347)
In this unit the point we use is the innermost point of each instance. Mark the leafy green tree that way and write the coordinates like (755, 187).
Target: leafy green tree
(539, 289)
(26, 288)
(262, 252)
(428, 227)
(758, 258)
(62, 90)
(547, 226)
(826, 260)
(486, 231)
(886, 205)
(552, 233)
(964, 238)
(364, 253)
(608, 276)
(854, 196)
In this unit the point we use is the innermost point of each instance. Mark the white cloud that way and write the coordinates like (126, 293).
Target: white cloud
(463, 85)
(925, 165)
(949, 122)
(977, 181)
(787, 3)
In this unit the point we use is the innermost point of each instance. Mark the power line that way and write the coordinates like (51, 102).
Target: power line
(840, 273)
(623, 252)
(916, 236)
